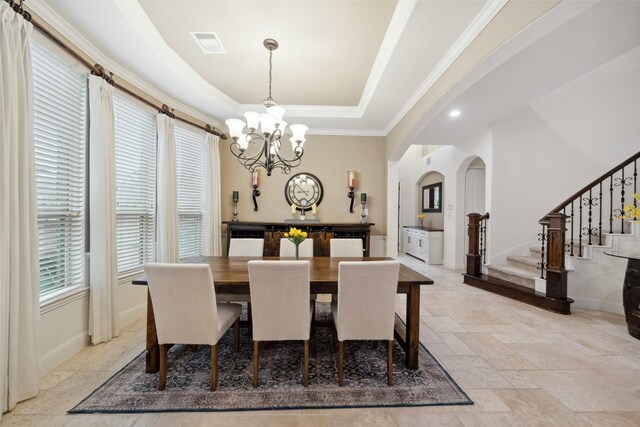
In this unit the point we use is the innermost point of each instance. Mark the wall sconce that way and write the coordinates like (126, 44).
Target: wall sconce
(351, 183)
(235, 198)
(255, 183)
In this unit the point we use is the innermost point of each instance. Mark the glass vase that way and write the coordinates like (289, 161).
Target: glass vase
(297, 256)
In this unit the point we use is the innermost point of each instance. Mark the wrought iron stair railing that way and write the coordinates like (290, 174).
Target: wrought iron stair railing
(582, 220)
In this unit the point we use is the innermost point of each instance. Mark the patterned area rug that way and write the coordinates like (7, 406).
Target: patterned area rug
(131, 390)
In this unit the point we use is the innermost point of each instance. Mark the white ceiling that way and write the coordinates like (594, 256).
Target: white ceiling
(343, 66)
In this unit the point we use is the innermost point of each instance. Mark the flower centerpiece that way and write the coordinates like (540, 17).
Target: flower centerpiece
(421, 218)
(296, 237)
(632, 211)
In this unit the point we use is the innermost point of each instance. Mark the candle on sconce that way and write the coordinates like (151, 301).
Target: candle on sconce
(363, 197)
(236, 196)
(351, 179)
(255, 178)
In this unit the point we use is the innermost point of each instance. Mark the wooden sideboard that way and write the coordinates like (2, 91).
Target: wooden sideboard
(321, 233)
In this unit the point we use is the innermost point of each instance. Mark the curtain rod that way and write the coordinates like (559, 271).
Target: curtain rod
(98, 70)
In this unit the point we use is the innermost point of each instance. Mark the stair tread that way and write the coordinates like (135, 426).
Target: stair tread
(514, 271)
(529, 260)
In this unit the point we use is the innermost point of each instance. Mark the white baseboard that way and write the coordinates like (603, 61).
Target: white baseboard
(63, 352)
(133, 313)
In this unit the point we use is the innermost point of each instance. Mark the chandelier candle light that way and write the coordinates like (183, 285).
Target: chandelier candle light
(268, 140)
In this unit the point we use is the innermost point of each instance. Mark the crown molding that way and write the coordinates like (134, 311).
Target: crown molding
(485, 16)
(46, 13)
(346, 132)
(399, 20)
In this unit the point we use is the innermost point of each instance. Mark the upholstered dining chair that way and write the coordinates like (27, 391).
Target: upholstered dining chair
(186, 311)
(246, 247)
(345, 248)
(288, 248)
(280, 306)
(365, 309)
(243, 248)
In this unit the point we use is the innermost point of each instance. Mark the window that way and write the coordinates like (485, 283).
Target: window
(135, 133)
(60, 135)
(190, 159)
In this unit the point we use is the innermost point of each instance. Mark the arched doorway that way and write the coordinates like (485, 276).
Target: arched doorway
(474, 191)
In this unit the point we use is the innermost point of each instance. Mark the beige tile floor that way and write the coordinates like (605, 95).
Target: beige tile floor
(521, 365)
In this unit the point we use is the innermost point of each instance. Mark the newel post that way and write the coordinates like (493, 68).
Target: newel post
(556, 271)
(474, 259)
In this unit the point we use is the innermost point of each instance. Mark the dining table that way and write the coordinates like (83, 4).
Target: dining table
(231, 276)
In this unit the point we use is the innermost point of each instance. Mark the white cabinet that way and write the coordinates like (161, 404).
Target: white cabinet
(423, 244)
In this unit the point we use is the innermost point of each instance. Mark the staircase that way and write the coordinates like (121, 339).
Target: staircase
(588, 222)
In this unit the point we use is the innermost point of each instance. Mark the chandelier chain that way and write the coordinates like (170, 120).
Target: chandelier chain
(270, 75)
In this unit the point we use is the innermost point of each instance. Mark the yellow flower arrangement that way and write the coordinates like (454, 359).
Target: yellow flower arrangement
(421, 216)
(632, 211)
(296, 237)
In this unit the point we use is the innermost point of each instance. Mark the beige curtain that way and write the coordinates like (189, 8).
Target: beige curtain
(212, 245)
(104, 316)
(19, 270)
(168, 248)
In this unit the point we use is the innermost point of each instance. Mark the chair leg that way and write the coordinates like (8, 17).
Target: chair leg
(306, 363)
(256, 363)
(163, 366)
(214, 367)
(249, 319)
(340, 367)
(236, 335)
(390, 362)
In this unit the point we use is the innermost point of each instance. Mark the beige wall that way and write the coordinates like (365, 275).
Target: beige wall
(511, 19)
(327, 157)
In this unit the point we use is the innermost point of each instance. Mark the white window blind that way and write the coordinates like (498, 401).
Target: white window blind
(135, 132)
(60, 134)
(190, 159)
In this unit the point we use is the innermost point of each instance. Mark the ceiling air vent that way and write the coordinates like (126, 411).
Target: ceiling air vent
(208, 42)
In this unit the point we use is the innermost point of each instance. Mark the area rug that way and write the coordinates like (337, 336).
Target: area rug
(132, 390)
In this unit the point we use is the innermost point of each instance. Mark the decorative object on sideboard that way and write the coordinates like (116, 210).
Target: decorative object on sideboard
(365, 211)
(268, 142)
(235, 197)
(351, 183)
(255, 183)
(302, 191)
(421, 218)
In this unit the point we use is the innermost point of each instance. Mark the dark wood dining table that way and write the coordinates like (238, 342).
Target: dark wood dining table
(230, 276)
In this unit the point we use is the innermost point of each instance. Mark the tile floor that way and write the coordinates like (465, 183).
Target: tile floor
(521, 365)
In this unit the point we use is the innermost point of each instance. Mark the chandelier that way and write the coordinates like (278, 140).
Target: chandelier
(266, 149)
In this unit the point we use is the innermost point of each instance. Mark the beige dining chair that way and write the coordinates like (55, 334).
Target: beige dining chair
(365, 309)
(243, 248)
(280, 306)
(246, 247)
(345, 248)
(186, 311)
(288, 248)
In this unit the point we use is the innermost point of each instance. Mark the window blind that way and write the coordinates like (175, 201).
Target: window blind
(190, 160)
(135, 133)
(60, 136)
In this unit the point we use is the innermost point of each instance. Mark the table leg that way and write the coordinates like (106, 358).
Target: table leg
(153, 350)
(412, 338)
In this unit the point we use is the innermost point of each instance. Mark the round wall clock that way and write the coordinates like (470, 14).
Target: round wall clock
(303, 190)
